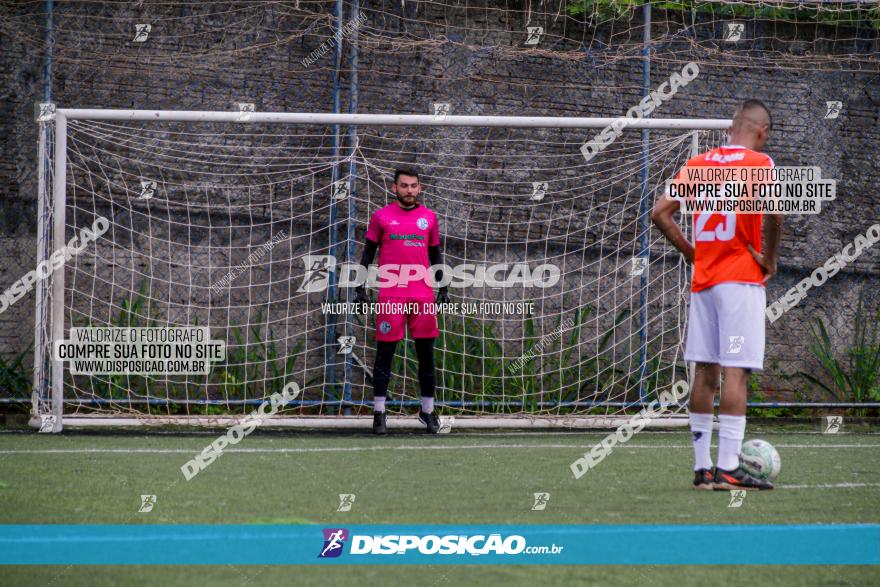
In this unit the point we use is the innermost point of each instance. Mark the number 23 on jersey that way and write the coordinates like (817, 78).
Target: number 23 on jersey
(722, 231)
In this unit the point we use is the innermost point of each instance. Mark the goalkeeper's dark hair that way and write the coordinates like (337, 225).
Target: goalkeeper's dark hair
(752, 104)
(411, 172)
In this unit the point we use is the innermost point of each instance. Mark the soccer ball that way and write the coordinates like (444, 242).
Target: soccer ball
(446, 423)
(760, 459)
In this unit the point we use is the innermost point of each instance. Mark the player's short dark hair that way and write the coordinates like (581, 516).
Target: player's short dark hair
(405, 171)
(751, 104)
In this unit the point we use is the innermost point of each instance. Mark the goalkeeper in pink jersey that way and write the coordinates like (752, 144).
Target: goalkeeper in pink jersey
(408, 238)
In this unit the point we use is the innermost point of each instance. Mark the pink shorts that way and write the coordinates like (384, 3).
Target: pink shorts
(395, 314)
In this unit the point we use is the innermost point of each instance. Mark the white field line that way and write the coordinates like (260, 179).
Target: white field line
(463, 433)
(605, 431)
(830, 486)
(380, 448)
(430, 447)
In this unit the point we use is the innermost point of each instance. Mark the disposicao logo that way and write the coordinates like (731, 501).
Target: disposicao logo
(334, 540)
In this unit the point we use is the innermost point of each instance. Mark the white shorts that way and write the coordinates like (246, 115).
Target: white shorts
(726, 326)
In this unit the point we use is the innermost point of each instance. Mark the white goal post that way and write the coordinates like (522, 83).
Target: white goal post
(244, 185)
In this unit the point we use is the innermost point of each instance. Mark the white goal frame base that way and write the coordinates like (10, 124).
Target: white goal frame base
(366, 422)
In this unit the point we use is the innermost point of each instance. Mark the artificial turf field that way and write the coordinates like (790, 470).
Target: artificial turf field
(408, 478)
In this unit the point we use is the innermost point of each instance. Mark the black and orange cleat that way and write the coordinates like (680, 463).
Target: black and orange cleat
(738, 479)
(704, 479)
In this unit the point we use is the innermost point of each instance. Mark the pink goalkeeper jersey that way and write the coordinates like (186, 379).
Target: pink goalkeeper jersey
(404, 237)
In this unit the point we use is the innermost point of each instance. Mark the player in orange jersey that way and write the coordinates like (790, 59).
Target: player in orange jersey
(726, 315)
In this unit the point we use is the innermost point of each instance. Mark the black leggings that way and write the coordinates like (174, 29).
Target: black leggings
(382, 368)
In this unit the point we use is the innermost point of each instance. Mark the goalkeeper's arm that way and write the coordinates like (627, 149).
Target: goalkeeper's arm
(436, 258)
(360, 292)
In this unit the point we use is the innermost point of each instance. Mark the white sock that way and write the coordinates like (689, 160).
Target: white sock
(701, 436)
(379, 404)
(731, 430)
(427, 404)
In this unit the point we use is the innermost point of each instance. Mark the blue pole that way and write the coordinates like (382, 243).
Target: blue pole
(330, 337)
(352, 211)
(50, 46)
(644, 205)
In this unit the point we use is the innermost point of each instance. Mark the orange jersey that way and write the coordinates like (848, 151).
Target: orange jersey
(721, 254)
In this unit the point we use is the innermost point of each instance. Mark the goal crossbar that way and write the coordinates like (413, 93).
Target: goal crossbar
(391, 119)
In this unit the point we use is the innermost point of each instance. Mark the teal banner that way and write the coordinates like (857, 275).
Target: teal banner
(440, 544)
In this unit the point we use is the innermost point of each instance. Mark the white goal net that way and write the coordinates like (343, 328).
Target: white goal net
(235, 225)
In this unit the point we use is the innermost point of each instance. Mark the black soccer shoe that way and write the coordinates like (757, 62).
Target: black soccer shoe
(379, 423)
(704, 479)
(432, 421)
(738, 479)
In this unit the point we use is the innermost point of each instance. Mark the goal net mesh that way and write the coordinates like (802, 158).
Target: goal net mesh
(218, 225)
